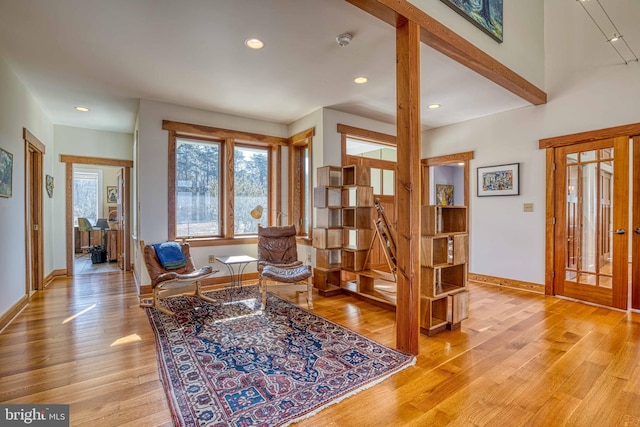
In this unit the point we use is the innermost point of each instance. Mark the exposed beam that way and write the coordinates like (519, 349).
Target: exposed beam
(441, 38)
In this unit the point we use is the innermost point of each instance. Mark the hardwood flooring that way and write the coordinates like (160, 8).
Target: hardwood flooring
(521, 359)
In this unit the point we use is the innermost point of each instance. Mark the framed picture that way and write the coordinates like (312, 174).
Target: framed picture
(112, 194)
(444, 195)
(484, 14)
(49, 185)
(6, 173)
(501, 180)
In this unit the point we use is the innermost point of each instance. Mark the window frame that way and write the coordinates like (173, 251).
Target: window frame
(227, 139)
(298, 207)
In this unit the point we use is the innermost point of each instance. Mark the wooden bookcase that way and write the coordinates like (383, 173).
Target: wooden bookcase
(327, 235)
(444, 256)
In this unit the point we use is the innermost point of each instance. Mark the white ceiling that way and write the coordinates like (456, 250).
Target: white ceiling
(108, 54)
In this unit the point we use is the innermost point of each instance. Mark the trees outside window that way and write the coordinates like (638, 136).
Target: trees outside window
(251, 188)
(86, 194)
(197, 188)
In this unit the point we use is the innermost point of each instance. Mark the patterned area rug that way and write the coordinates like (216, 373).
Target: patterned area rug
(233, 364)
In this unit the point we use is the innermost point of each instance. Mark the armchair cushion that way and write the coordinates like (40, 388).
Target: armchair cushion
(287, 275)
(170, 255)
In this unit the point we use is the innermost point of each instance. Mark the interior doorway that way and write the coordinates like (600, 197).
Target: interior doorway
(34, 155)
(121, 190)
(451, 173)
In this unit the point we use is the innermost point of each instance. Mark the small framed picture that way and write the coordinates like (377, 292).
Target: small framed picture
(6, 173)
(49, 185)
(112, 194)
(500, 180)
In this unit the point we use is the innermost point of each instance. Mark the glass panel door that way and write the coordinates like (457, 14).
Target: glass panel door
(593, 260)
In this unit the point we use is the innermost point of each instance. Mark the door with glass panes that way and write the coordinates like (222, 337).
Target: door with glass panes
(592, 221)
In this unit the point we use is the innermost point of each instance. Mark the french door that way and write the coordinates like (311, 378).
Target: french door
(592, 222)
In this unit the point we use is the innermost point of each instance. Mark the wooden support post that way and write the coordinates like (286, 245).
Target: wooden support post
(408, 185)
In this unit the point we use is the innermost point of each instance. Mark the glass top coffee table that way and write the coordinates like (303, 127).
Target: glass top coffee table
(236, 265)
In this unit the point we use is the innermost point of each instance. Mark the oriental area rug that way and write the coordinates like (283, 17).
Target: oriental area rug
(231, 363)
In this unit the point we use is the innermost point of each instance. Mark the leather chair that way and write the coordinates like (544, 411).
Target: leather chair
(278, 264)
(166, 283)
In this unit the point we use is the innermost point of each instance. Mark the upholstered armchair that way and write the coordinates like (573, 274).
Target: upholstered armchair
(278, 264)
(176, 279)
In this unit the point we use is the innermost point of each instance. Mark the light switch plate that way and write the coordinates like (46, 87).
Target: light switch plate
(527, 207)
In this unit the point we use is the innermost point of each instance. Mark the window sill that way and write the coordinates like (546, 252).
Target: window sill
(219, 241)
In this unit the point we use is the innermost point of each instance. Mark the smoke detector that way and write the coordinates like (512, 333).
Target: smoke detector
(344, 39)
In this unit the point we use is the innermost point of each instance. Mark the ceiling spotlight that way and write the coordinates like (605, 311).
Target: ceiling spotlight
(360, 80)
(433, 106)
(254, 43)
(83, 109)
(344, 39)
(615, 37)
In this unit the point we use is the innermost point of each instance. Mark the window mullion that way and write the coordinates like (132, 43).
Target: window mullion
(228, 195)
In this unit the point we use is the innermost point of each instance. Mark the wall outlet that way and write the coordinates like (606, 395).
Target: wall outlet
(527, 207)
(212, 259)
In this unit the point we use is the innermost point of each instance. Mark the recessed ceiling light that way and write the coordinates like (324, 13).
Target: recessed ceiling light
(433, 106)
(460, 163)
(254, 43)
(83, 109)
(360, 80)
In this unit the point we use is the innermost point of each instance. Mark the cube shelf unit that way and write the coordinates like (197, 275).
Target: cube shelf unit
(357, 202)
(444, 255)
(343, 200)
(327, 235)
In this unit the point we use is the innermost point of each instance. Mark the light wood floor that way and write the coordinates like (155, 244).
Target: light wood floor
(520, 359)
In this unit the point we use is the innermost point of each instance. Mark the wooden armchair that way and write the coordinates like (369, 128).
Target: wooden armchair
(278, 263)
(167, 282)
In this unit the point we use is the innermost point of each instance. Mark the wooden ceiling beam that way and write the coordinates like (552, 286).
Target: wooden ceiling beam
(449, 43)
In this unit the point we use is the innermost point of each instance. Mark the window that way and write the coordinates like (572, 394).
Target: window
(86, 194)
(301, 182)
(217, 177)
(197, 188)
(251, 187)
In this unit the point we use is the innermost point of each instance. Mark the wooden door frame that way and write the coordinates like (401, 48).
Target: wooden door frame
(34, 248)
(70, 161)
(550, 145)
(448, 159)
(635, 224)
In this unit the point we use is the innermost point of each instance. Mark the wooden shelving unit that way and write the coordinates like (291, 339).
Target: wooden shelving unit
(327, 235)
(444, 255)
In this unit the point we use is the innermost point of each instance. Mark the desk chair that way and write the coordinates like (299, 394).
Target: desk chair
(85, 226)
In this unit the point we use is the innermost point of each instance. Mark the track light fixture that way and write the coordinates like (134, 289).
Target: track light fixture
(609, 30)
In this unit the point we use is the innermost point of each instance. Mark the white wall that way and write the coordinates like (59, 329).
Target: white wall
(505, 241)
(80, 142)
(153, 179)
(18, 110)
(523, 47)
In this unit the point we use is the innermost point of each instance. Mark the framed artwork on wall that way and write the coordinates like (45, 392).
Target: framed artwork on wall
(444, 195)
(49, 185)
(6, 173)
(500, 180)
(112, 194)
(484, 14)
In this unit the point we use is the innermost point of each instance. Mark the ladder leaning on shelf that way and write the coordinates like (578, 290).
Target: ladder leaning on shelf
(384, 232)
